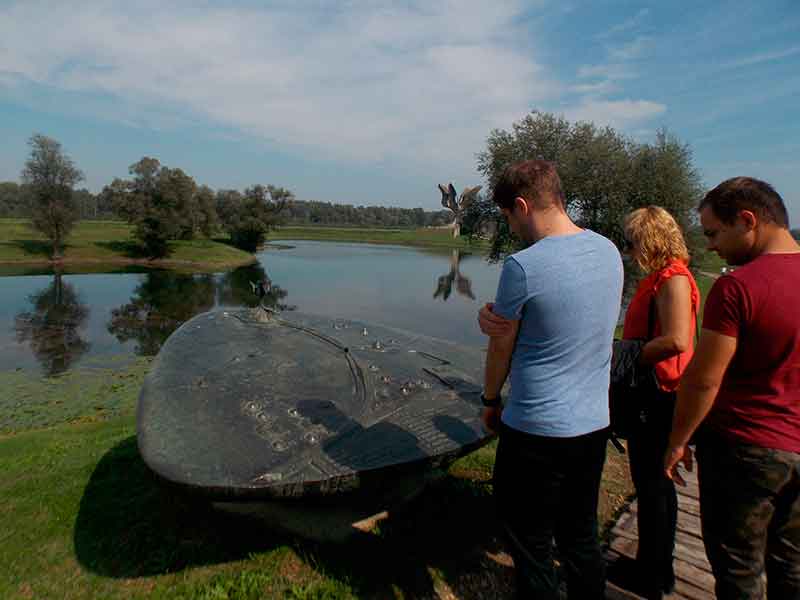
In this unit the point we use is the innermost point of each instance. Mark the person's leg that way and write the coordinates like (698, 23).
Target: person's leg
(740, 487)
(522, 463)
(657, 502)
(576, 526)
(783, 536)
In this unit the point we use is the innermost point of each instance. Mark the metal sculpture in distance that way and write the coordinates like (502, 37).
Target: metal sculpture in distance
(252, 405)
(459, 207)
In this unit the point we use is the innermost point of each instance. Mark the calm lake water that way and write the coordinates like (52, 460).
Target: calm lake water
(51, 323)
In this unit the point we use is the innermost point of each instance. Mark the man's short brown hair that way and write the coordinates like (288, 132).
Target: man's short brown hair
(534, 180)
(746, 193)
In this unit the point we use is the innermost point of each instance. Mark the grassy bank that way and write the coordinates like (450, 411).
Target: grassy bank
(439, 238)
(84, 518)
(103, 245)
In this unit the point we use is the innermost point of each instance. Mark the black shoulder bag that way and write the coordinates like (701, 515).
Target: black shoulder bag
(633, 385)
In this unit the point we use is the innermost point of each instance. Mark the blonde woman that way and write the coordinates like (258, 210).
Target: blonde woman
(663, 310)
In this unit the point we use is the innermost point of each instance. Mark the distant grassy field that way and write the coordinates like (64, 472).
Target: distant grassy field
(431, 237)
(100, 244)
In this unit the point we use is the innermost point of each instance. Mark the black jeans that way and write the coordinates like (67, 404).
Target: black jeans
(657, 514)
(547, 488)
(750, 511)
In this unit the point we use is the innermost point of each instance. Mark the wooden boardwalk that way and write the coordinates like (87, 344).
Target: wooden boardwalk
(692, 571)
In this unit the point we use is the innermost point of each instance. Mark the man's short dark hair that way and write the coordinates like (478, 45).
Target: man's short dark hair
(534, 180)
(746, 193)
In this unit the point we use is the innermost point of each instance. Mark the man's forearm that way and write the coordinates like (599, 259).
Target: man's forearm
(694, 401)
(498, 364)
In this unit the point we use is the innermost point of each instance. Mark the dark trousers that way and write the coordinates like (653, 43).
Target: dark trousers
(657, 513)
(750, 513)
(547, 488)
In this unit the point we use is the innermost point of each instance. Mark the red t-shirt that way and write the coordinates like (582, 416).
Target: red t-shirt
(759, 304)
(637, 317)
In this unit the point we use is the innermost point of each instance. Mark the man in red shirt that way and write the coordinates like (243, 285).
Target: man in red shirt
(743, 384)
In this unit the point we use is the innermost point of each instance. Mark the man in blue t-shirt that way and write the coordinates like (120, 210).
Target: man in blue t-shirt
(551, 326)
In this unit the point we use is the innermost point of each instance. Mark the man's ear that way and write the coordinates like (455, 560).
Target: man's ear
(748, 219)
(522, 204)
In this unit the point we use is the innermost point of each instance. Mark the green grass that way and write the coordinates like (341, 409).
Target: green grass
(103, 245)
(439, 238)
(83, 517)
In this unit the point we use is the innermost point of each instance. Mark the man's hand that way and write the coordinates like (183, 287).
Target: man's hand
(491, 324)
(674, 455)
(491, 418)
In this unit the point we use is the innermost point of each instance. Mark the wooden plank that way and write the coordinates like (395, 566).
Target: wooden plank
(691, 574)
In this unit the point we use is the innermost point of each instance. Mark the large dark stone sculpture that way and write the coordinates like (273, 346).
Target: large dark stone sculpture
(250, 405)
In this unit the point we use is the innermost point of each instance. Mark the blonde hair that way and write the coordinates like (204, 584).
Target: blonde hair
(657, 237)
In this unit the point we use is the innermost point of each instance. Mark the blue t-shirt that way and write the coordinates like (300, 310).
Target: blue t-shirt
(567, 291)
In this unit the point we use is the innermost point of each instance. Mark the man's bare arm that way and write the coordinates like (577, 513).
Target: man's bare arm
(498, 360)
(696, 394)
(498, 364)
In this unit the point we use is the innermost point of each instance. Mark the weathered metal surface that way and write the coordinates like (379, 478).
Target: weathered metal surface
(241, 405)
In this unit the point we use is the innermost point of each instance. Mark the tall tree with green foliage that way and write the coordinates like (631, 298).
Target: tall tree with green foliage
(604, 173)
(50, 176)
(249, 217)
(161, 203)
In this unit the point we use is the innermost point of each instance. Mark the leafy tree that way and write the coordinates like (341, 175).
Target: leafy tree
(206, 218)
(51, 176)
(14, 199)
(161, 203)
(604, 174)
(249, 217)
(796, 234)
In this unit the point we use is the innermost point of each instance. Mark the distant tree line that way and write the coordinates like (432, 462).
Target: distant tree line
(164, 204)
(310, 212)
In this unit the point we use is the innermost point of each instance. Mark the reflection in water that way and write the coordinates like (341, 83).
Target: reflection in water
(161, 303)
(444, 285)
(236, 288)
(51, 328)
(164, 301)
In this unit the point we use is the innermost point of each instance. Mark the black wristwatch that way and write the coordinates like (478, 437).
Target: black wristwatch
(491, 402)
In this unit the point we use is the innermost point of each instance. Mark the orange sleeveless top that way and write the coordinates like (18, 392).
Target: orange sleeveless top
(669, 370)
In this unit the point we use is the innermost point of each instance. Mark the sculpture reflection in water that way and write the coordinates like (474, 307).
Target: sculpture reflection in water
(240, 288)
(52, 327)
(444, 285)
(165, 300)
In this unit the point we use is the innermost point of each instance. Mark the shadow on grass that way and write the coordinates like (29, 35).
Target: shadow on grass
(39, 248)
(128, 525)
(442, 544)
(126, 248)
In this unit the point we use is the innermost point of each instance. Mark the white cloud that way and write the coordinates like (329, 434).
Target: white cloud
(614, 71)
(362, 82)
(626, 25)
(763, 57)
(620, 114)
(631, 50)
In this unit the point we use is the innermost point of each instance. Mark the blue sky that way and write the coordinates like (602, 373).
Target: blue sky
(377, 102)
